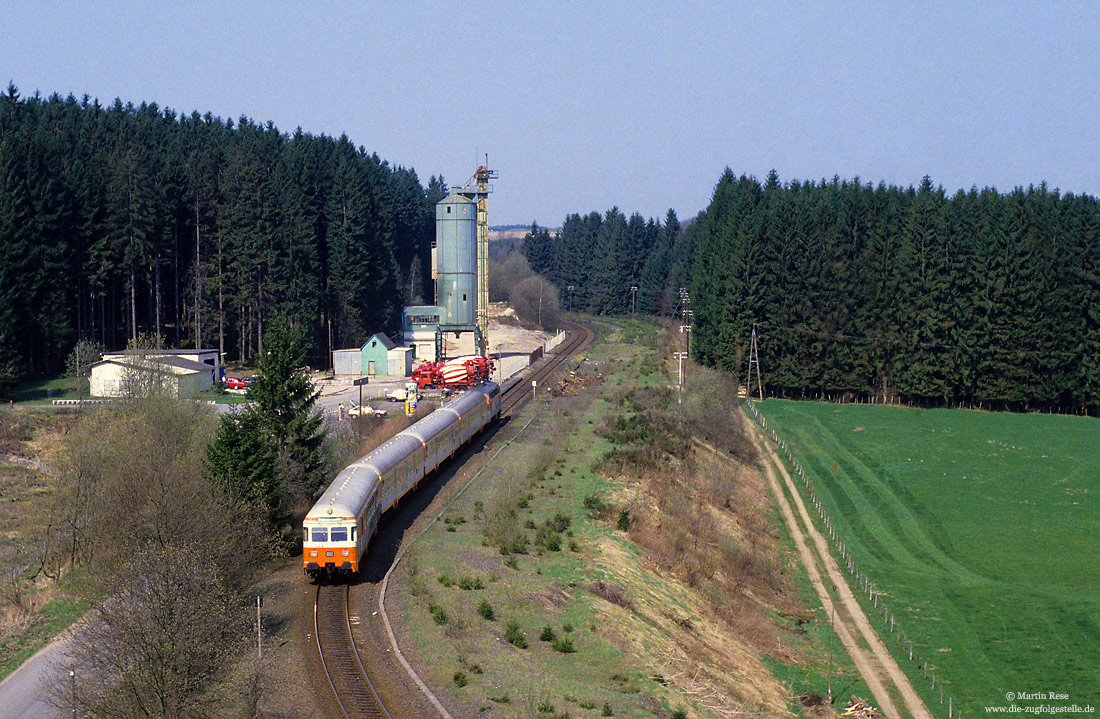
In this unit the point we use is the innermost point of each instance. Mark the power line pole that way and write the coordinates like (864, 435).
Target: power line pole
(754, 359)
(633, 299)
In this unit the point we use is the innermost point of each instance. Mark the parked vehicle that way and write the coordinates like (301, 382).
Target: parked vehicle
(401, 394)
(235, 383)
(365, 411)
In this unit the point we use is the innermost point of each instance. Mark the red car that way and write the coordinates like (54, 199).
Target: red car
(234, 383)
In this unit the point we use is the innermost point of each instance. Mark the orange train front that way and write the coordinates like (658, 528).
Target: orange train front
(337, 530)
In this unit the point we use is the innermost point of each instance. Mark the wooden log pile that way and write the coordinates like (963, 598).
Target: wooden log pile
(860, 709)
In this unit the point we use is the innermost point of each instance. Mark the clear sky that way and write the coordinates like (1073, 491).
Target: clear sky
(582, 106)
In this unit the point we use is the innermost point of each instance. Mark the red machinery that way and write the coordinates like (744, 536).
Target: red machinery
(457, 372)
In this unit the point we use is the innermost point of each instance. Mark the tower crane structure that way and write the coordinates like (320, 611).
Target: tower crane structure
(479, 193)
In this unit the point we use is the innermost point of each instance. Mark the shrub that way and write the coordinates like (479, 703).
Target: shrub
(547, 634)
(514, 635)
(564, 645)
(445, 580)
(606, 710)
(460, 679)
(437, 612)
(485, 609)
(596, 506)
(560, 522)
(469, 583)
(546, 538)
(624, 520)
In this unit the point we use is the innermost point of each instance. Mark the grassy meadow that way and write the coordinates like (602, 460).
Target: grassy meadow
(981, 530)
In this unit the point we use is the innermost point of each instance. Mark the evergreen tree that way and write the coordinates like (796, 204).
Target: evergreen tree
(241, 462)
(285, 401)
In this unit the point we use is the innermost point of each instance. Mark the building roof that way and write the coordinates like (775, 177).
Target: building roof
(380, 337)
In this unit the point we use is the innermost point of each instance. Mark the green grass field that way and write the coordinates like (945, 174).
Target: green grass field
(980, 528)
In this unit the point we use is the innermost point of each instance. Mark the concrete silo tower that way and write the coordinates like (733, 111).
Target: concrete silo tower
(458, 324)
(456, 260)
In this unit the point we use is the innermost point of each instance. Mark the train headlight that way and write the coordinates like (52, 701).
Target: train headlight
(346, 553)
(329, 554)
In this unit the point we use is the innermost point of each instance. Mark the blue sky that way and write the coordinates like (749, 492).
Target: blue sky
(582, 106)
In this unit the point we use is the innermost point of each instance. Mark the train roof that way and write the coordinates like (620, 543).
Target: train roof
(346, 495)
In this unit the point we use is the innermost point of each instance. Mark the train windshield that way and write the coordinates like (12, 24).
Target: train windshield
(319, 534)
(339, 534)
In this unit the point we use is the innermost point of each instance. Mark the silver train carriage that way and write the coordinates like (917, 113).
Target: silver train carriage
(340, 525)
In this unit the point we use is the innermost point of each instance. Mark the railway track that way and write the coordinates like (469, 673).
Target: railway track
(518, 392)
(339, 657)
(336, 646)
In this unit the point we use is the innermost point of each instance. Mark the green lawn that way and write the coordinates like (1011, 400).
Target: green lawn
(981, 528)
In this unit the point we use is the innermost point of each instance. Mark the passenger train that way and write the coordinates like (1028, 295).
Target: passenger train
(339, 527)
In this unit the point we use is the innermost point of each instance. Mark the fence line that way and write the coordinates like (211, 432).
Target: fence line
(873, 594)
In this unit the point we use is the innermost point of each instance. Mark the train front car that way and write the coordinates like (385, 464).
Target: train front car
(336, 531)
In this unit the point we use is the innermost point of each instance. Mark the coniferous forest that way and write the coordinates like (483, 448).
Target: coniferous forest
(861, 292)
(119, 221)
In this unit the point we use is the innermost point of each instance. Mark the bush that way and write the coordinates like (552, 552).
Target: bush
(560, 522)
(460, 679)
(564, 645)
(486, 610)
(546, 538)
(596, 506)
(547, 634)
(514, 635)
(469, 583)
(437, 612)
(624, 520)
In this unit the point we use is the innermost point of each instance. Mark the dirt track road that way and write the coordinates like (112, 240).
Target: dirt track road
(878, 668)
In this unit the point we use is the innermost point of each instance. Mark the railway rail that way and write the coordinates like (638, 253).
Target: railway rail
(514, 395)
(340, 660)
(351, 686)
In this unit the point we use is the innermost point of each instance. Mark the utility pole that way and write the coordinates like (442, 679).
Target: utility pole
(570, 288)
(633, 299)
(754, 359)
(681, 356)
(259, 632)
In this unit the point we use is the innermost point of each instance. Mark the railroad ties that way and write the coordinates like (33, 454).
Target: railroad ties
(339, 657)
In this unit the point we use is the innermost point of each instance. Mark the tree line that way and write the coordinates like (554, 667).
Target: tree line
(123, 220)
(903, 294)
(878, 293)
(595, 260)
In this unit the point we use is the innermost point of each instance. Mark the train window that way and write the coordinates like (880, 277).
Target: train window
(320, 534)
(339, 534)
(353, 534)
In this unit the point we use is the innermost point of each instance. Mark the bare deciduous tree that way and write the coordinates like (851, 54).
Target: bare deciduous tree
(159, 646)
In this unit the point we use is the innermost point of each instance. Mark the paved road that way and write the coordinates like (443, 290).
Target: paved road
(22, 693)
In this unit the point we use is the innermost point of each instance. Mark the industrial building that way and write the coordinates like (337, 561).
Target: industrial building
(458, 324)
(181, 373)
(379, 355)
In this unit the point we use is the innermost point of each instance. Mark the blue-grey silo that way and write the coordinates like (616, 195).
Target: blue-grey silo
(456, 259)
